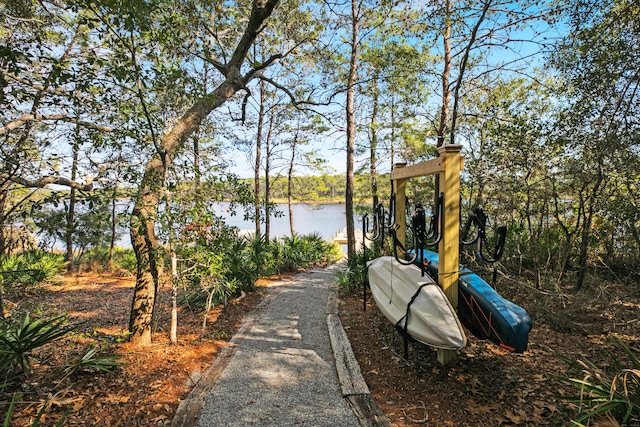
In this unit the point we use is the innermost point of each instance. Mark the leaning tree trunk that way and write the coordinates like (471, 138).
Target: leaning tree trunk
(143, 217)
(146, 247)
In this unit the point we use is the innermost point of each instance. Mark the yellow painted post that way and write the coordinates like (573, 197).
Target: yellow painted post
(448, 249)
(400, 202)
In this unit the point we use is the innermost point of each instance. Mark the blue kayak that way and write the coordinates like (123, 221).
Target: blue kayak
(484, 312)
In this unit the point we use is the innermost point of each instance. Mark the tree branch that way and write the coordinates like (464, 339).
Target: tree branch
(292, 96)
(463, 66)
(47, 180)
(28, 118)
(259, 12)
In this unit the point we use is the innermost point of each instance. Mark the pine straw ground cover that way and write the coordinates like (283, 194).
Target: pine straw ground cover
(148, 387)
(488, 387)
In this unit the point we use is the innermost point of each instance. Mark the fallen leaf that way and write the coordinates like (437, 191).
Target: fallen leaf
(114, 398)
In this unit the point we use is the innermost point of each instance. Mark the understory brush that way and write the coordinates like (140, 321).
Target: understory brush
(100, 259)
(605, 393)
(21, 339)
(24, 272)
(354, 275)
(211, 274)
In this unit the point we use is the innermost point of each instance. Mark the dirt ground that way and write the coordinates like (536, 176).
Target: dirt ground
(487, 387)
(147, 389)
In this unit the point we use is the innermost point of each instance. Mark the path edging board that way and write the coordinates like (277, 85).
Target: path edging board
(354, 388)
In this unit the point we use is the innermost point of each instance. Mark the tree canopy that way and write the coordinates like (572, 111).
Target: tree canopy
(144, 100)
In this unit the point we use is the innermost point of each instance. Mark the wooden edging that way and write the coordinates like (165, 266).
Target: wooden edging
(354, 388)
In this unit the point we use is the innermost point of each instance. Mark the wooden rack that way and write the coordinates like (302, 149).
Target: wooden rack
(447, 166)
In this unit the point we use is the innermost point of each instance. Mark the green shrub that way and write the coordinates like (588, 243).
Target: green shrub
(97, 259)
(94, 259)
(90, 362)
(125, 259)
(23, 272)
(330, 253)
(221, 269)
(304, 251)
(613, 393)
(19, 340)
(354, 275)
(256, 257)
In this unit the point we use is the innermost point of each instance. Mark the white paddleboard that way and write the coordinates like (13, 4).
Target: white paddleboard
(431, 319)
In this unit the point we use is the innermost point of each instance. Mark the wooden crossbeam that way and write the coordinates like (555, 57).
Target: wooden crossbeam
(426, 168)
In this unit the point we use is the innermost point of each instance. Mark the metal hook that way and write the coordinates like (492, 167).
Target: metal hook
(499, 248)
(436, 224)
(478, 218)
(472, 220)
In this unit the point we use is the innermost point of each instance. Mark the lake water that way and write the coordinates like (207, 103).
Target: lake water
(325, 220)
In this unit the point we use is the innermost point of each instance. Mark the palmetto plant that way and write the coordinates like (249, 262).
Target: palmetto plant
(92, 363)
(36, 422)
(23, 271)
(354, 275)
(606, 394)
(19, 340)
(304, 251)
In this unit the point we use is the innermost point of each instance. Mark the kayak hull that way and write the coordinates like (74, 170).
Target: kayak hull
(484, 312)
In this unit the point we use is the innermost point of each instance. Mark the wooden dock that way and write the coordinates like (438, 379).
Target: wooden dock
(340, 237)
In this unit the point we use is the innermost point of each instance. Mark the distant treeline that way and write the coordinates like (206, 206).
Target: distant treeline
(320, 188)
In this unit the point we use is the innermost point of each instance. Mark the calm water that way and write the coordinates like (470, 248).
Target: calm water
(325, 220)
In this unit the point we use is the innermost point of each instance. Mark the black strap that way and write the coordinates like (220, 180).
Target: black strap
(404, 329)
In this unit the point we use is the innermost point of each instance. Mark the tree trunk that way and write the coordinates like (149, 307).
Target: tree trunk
(351, 129)
(267, 178)
(446, 90)
(258, 162)
(463, 67)
(585, 232)
(72, 204)
(373, 148)
(69, 231)
(290, 184)
(173, 331)
(446, 72)
(146, 248)
(112, 242)
(393, 131)
(143, 217)
(4, 193)
(196, 159)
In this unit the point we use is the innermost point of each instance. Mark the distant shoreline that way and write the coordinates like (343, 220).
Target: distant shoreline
(318, 202)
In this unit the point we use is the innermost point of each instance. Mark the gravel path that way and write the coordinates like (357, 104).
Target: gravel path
(283, 372)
